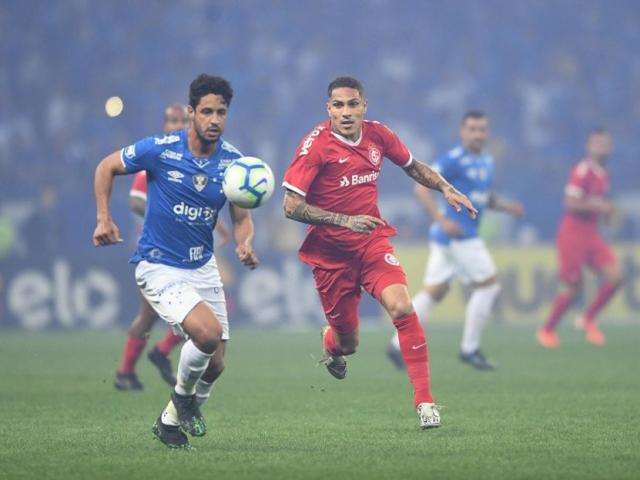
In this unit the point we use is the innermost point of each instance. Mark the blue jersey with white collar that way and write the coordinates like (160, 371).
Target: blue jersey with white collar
(472, 174)
(183, 199)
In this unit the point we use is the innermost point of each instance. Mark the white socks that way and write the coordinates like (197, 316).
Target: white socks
(422, 304)
(478, 311)
(192, 365)
(203, 391)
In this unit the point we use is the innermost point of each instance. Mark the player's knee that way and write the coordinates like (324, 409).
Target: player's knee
(399, 307)
(207, 338)
(614, 275)
(572, 290)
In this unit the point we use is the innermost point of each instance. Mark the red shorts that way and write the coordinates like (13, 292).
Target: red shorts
(373, 269)
(579, 249)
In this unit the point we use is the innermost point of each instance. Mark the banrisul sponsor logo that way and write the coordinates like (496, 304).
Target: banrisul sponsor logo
(359, 179)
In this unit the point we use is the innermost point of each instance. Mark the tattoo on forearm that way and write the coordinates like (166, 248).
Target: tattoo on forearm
(306, 213)
(425, 175)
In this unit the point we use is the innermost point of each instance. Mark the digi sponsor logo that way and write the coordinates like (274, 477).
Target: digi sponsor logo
(194, 213)
(130, 152)
(171, 155)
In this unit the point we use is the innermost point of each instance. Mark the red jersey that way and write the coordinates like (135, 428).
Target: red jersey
(587, 179)
(139, 185)
(339, 175)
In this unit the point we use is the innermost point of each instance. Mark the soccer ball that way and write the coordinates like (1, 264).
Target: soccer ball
(248, 182)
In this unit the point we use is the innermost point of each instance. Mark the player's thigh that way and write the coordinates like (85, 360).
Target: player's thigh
(340, 295)
(572, 256)
(169, 291)
(440, 267)
(215, 299)
(473, 261)
(603, 260)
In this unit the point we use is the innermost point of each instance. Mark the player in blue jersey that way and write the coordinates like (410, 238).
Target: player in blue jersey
(176, 269)
(455, 248)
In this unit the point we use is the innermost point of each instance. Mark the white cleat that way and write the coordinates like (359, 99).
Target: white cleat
(429, 415)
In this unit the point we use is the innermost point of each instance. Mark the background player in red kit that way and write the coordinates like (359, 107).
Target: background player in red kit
(331, 185)
(580, 244)
(175, 118)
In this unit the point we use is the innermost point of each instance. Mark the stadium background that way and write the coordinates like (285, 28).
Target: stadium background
(545, 72)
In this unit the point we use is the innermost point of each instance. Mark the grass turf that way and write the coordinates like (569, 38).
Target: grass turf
(571, 413)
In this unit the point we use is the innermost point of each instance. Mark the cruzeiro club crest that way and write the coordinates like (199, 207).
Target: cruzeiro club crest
(200, 181)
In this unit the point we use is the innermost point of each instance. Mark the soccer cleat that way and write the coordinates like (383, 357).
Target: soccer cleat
(395, 355)
(429, 415)
(163, 364)
(127, 381)
(336, 365)
(477, 360)
(593, 334)
(191, 420)
(170, 435)
(548, 339)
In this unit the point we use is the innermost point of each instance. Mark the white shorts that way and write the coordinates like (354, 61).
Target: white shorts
(173, 292)
(468, 259)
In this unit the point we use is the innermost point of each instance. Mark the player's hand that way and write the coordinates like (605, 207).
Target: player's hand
(247, 256)
(451, 227)
(363, 223)
(516, 209)
(106, 233)
(459, 201)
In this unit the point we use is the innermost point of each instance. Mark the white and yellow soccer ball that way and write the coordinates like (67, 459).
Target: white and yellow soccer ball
(248, 182)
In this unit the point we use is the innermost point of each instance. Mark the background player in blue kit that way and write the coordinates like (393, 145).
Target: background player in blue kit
(455, 248)
(176, 269)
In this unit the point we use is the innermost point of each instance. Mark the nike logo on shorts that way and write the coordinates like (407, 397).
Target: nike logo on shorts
(343, 160)
(335, 315)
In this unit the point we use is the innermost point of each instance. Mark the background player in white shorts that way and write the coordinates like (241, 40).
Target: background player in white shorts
(455, 249)
(176, 270)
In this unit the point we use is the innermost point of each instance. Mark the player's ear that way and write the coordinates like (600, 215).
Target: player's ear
(329, 107)
(365, 106)
(190, 112)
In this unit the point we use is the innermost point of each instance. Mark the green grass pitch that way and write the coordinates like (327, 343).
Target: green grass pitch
(571, 413)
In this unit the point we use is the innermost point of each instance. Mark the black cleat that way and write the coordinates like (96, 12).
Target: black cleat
(163, 364)
(477, 360)
(127, 381)
(395, 356)
(170, 435)
(336, 366)
(191, 420)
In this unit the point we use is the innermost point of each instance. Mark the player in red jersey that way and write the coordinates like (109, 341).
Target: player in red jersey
(175, 118)
(580, 244)
(331, 185)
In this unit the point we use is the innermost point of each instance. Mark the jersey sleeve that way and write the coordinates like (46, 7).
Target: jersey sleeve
(139, 186)
(577, 185)
(140, 155)
(304, 167)
(394, 149)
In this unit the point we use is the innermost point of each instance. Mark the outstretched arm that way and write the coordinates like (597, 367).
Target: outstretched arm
(106, 232)
(296, 208)
(243, 234)
(428, 177)
(501, 204)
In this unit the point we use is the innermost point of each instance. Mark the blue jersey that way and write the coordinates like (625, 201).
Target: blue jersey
(183, 200)
(471, 174)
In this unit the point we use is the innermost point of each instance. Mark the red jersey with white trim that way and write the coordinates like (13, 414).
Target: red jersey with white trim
(588, 179)
(339, 175)
(139, 185)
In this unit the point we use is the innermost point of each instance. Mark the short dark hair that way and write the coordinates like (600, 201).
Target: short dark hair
(206, 84)
(598, 131)
(346, 82)
(475, 114)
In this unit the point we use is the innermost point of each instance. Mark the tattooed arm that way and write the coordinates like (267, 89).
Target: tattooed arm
(296, 208)
(428, 177)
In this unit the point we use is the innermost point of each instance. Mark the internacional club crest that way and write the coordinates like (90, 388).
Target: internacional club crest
(200, 181)
(374, 154)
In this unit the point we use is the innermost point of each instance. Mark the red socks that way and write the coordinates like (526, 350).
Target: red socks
(133, 347)
(561, 304)
(605, 293)
(329, 342)
(168, 342)
(413, 346)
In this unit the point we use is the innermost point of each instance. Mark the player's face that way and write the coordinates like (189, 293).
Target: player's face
(175, 119)
(346, 108)
(474, 133)
(209, 117)
(600, 146)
